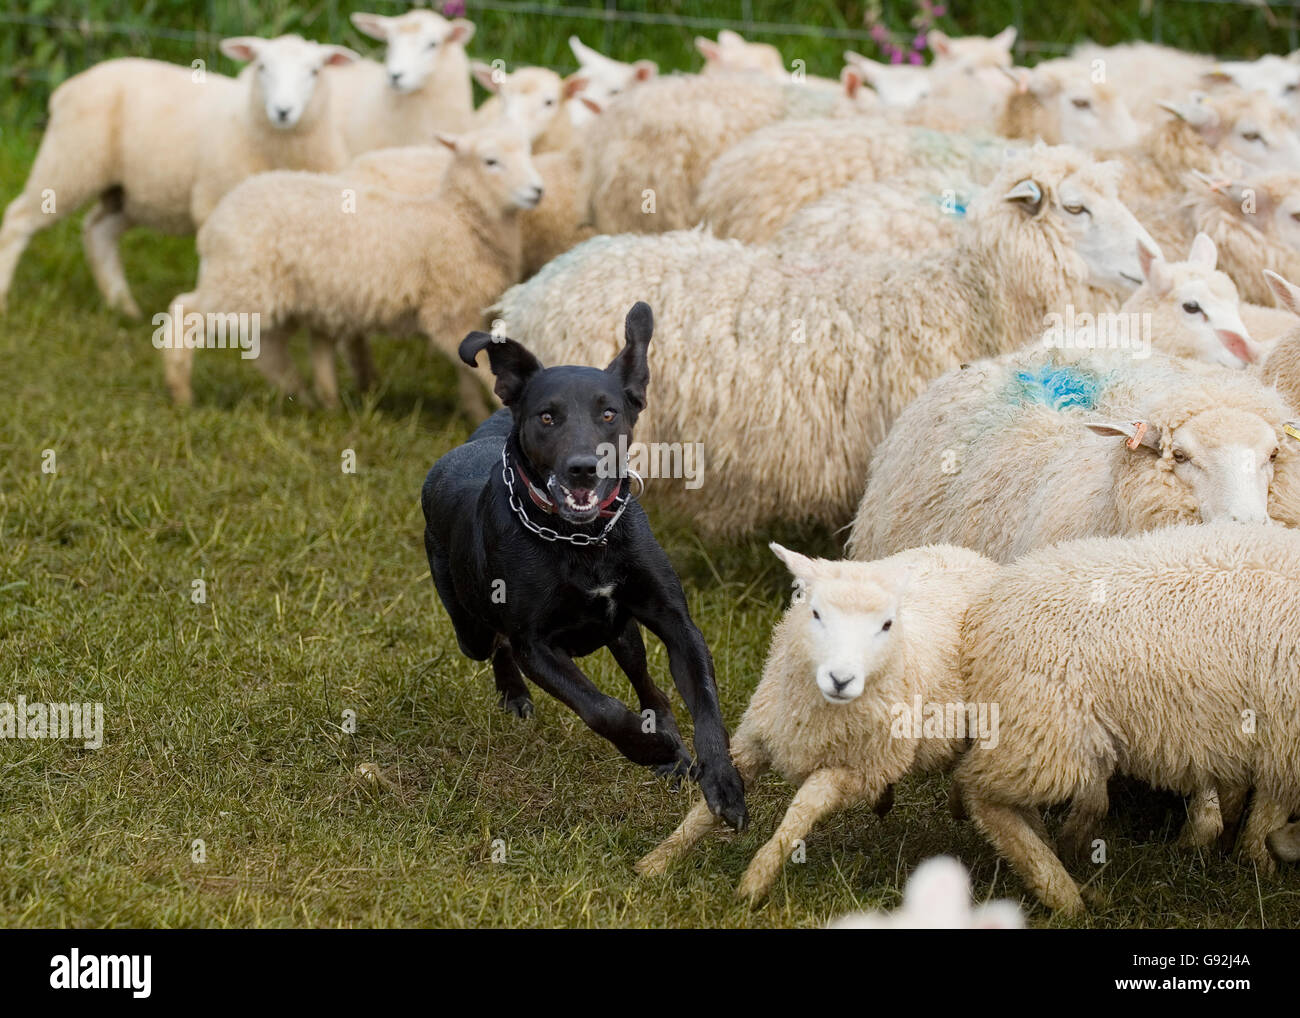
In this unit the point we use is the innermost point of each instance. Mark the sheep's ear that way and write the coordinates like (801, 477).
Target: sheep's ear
(851, 79)
(243, 47)
(939, 43)
(1134, 433)
(1028, 194)
(1021, 78)
(339, 56)
(1005, 39)
(573, 84)
(800, 566)
(462, 31)
(373, 25)
(1286, 292)
(583, 53)
(1148, 259)
(644, 70)
(511, 363)
(709, 49)
(591, 104)
(449, 140)
(1195, 113)
(729, 38)
(485, 75)
(1240, 346)
(1203, 252)
(632, 365)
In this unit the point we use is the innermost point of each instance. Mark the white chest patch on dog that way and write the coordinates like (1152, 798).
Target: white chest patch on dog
(605, 591)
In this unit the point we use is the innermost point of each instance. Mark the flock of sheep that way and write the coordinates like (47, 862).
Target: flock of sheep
(1031, 333)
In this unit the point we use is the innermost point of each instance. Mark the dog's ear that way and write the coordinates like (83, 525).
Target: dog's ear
(632, 365)
(511, 363)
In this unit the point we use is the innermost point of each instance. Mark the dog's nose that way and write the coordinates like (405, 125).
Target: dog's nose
(839, 683)
(581, 471)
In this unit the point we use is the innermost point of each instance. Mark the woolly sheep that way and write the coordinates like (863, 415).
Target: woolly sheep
(836, 348)
(856, 664)
(1061, 103)
(285, 246)
(938, 897)
(1281, 368)
(753, 188)
(606, 78)
(157, 145)
(1144, 73)
(732, 52)
(1171, 657)
(422, 86)
(647, 153)
(1044, 445)
(1275, 76)
(535, 98)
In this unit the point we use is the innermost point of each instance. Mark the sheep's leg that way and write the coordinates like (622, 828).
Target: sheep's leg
(22, 219)
(1266, 816)
(102, 229)
(1086, 811)
(445, 339)
(515, 698)
(360, 361)
(751, 760)
(1204, 819)
(629, 652)
(275, 363)
(178, 359)
(1232, 804)
(825, 791)
(322, 368)
(1011, 833)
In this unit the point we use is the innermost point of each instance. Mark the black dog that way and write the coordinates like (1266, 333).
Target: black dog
(540, 554)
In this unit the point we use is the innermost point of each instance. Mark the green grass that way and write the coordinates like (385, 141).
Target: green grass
(224, 720)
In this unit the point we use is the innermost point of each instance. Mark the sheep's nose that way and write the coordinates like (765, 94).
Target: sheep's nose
(581, 471)
(838, 683)
(282, 112)
(537, 193)
(395, 77)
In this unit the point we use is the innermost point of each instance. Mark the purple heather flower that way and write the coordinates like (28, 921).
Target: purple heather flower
(453, 8)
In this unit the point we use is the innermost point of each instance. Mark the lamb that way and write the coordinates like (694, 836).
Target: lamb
(753, 188)
(938, 898)
(288, 247)
(606, 78)
(846, 704)
(422, 86)
(534, 97)
(1045, 445)
(816, 358)
(157, 145)
(647, 153)
(1064, 642)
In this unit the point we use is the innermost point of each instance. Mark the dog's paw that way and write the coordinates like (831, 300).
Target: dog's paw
(674, 772)
(520, 706)
(725, 793)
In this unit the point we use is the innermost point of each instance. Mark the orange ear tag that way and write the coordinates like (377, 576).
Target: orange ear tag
(1138, 435)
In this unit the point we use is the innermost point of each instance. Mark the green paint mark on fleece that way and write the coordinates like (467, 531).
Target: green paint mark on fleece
(1059, 387)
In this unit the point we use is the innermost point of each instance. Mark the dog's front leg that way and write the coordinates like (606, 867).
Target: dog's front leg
(629, 652)
(557, 673)
(656, 599)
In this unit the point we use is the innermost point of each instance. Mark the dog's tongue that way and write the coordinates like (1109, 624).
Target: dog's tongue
(583, 496)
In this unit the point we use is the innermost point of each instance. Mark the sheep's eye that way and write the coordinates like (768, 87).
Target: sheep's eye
(614, 91)
(1251, 136)
(1296, 216)
(550, 102)
(1075, 210)
(491, 162)
(434, 44)
(816, 615)
(1180, 456)
(609, 415)
(547, 419)
(1192, 308)
(1082, 104)
(885, 627)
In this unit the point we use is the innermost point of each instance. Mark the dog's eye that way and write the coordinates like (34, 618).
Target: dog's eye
(547, 419)
(608, 416)
(885, 627)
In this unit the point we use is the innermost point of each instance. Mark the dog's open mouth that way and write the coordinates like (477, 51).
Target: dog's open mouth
(577, 505)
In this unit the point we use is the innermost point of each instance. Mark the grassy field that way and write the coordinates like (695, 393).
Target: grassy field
(224, 719)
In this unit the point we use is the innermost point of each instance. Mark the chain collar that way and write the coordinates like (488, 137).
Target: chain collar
(581, 540)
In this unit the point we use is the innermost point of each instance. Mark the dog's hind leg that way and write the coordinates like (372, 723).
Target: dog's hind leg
(629, 651)
(476, 641)
(514, 695)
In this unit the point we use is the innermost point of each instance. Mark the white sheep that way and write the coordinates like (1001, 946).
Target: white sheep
(422, 86)
(938, 897)
(1281, 368)
(1062, 103)
(732, 52)
(1171, 657)
(344, 260)
(606, 78)
(770, 360)
(1144, 73)
(157, 145)
(536, 98)
(1044, 445)
(845, 707)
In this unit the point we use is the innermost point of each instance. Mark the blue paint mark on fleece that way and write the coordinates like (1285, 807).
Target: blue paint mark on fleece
(1060, 387)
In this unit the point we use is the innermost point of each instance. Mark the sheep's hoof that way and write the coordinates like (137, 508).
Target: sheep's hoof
(651, 865)
(520, 706)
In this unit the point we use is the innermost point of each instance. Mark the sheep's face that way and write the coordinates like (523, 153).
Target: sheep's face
(1246, 126)
(531, 97)
(1285, 842)
(977, 60)
(285, 73)
(733, 53)
(1198, 305)
(851, 618)
(607, 79)
(1100, 227)
(416, 43)
(502, 158)
(1277, 77)
(897, 86)
(1093, 116)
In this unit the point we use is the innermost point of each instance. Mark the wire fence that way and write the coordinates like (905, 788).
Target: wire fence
(41, 43)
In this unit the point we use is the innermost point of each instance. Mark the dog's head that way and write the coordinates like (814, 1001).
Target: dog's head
(573, 425)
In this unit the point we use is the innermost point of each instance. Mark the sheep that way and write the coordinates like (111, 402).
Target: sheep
(422, 86)
(732, 52)
(287, 247)
(904, 217)
(1190, 309)
(938, 898)
(1275, 76)
(1281, 368)
(158, 145)
(1144, 73)
(772, 360)
(856, 666)
(606, 78)
(1170, 656)
(753, 188)
(898, 86)
(1062, 104)
(534, 97)
(1044, 445)
(647, 152)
